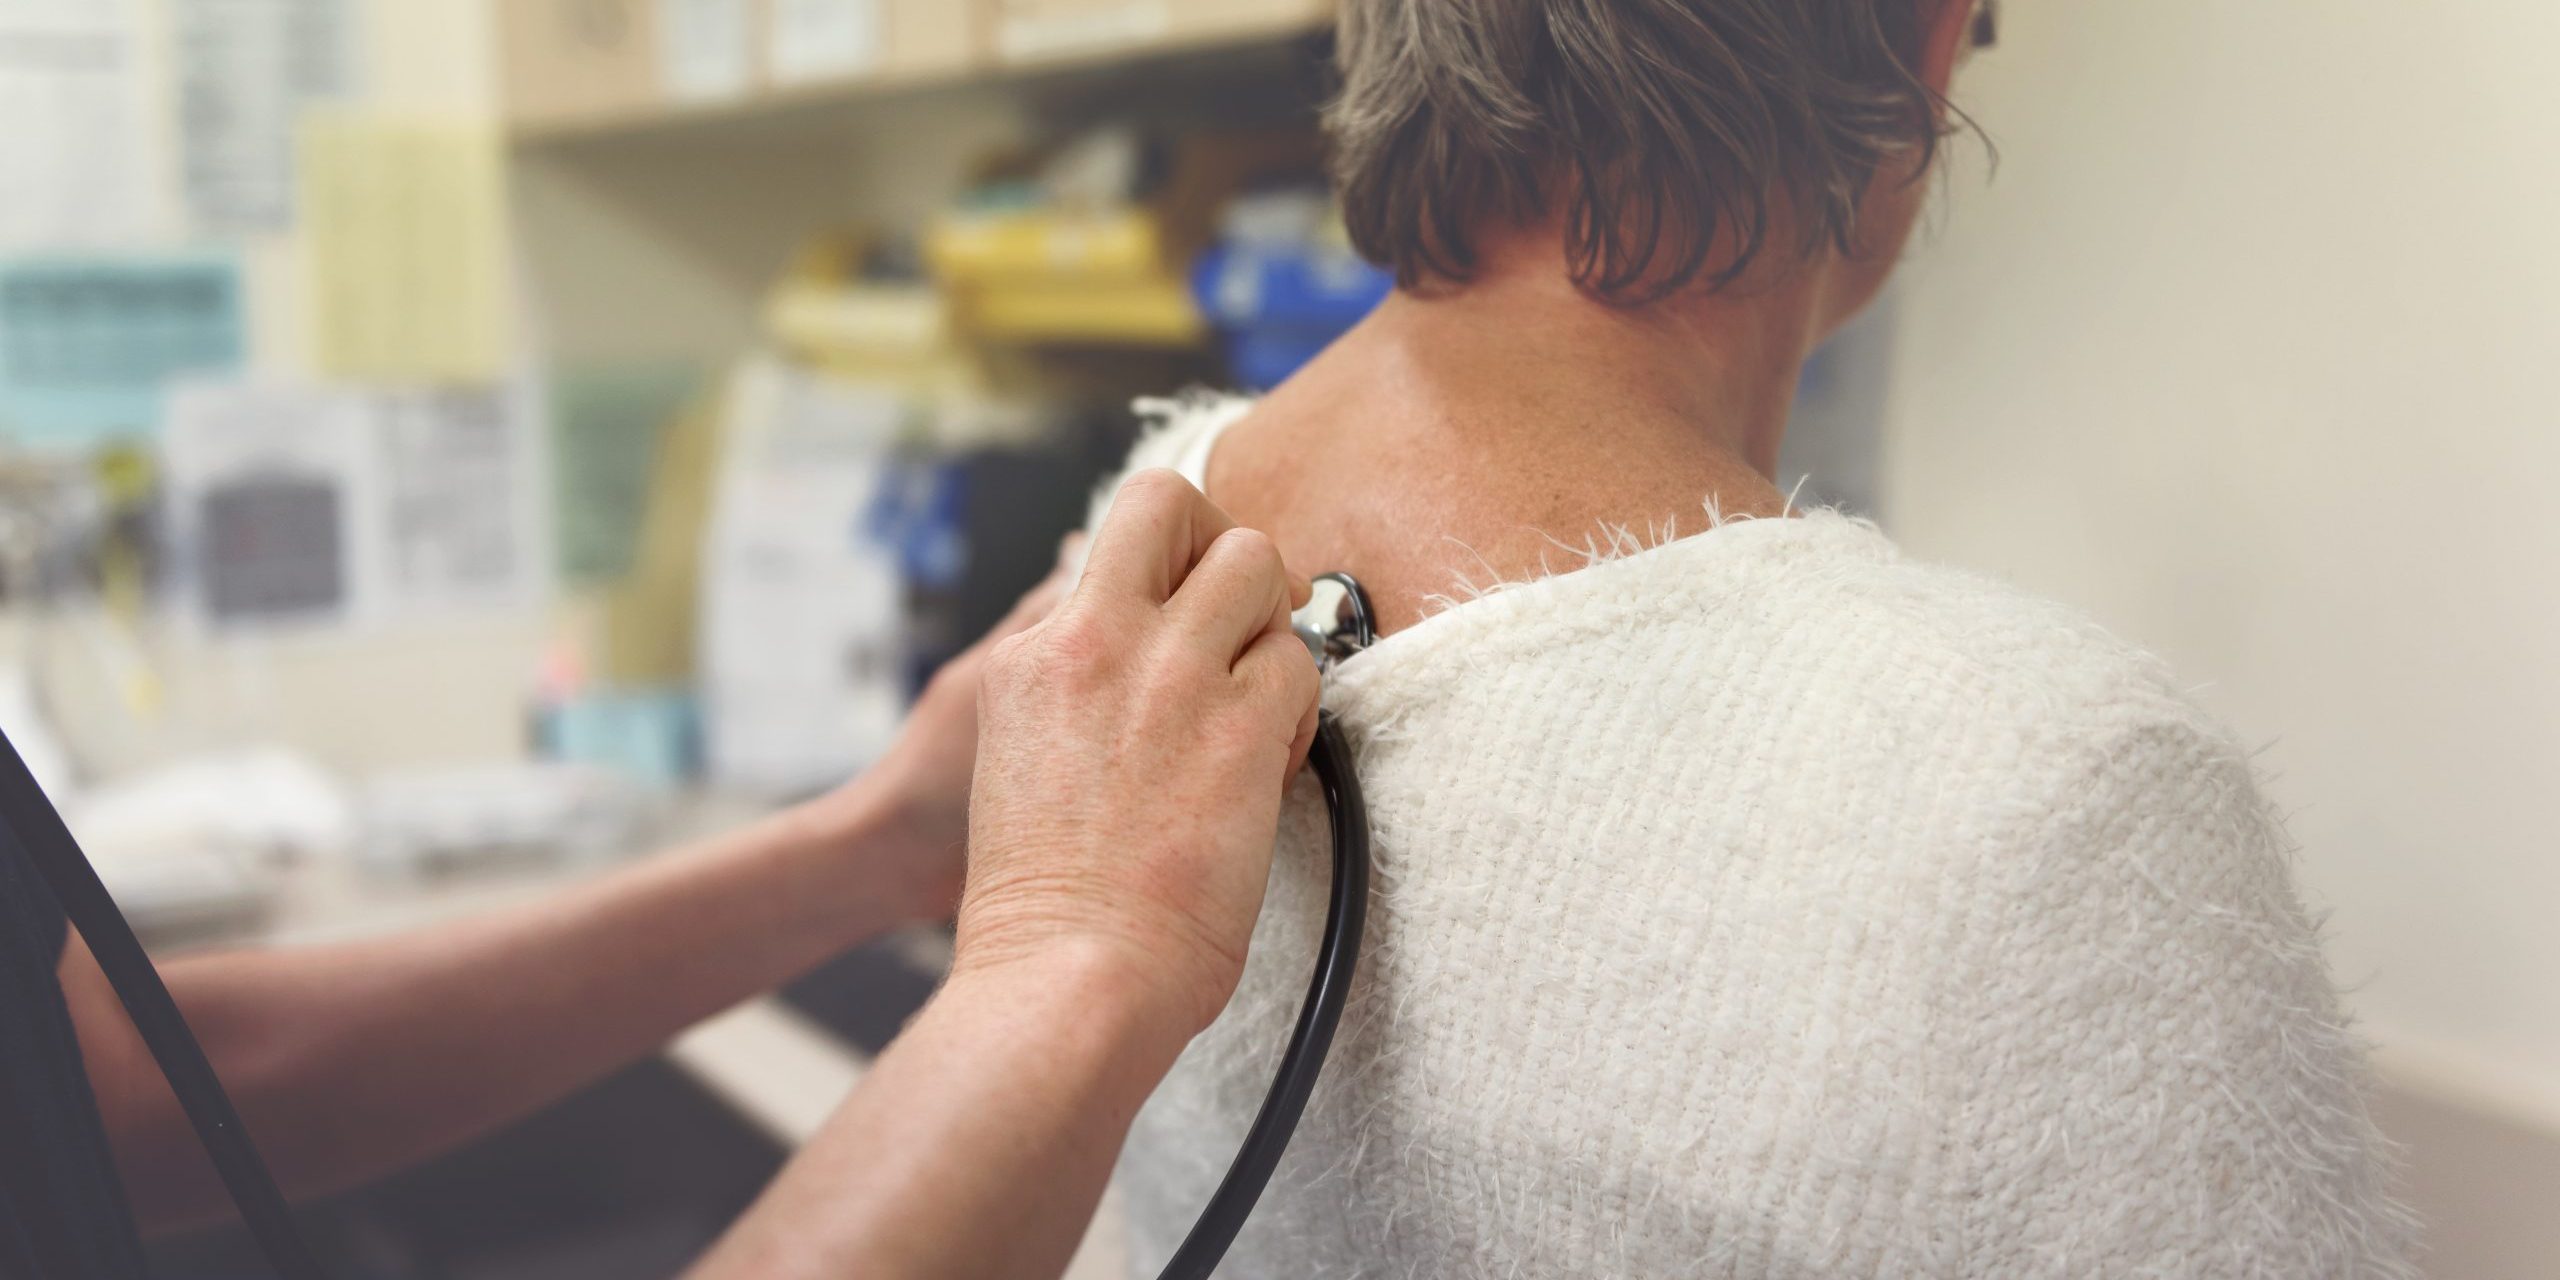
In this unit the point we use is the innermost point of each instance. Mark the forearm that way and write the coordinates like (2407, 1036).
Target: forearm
(1131, 754)
(353, 1059)
(980, 1143)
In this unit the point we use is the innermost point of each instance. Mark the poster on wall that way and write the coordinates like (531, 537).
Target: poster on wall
(245, 70)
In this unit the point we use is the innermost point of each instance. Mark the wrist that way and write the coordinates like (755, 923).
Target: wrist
(878, 850)
(1120, 998)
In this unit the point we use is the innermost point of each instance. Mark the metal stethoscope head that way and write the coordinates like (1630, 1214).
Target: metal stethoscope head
(1336, 621)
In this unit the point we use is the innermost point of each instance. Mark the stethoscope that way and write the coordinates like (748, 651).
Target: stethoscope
(1335, 624)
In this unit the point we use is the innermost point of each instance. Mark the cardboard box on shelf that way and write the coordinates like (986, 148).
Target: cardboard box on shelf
(569, 61)
(931, 37)
(809, 42)
(1036, 31)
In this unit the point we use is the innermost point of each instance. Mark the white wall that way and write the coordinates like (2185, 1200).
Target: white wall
(2250, 349)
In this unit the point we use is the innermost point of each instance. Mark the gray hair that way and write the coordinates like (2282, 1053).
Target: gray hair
(1671, 131)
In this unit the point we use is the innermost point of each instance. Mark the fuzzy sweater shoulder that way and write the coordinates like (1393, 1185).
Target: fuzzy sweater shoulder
(1767, 904)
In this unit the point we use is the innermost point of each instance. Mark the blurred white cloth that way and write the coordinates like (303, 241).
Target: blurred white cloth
(202, 839)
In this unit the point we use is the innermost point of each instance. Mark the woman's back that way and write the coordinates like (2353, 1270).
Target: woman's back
(1762, 904)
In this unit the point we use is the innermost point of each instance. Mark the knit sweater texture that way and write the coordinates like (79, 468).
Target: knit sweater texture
(1764, 904)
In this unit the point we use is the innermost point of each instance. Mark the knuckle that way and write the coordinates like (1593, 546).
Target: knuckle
(1011, 651)
(1250, 548)
(1265, 693)
(1306, 684)
(1258, 556)
(1174, 681)
(1010, 662)
(1156, 486)
(1073, 644)
(1069, 648)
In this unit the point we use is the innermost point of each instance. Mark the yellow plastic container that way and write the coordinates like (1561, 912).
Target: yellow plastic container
(1057, 276)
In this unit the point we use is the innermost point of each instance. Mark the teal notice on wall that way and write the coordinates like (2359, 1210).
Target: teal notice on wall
(90, 344)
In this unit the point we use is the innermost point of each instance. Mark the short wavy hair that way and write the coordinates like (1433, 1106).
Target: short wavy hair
(1672, 133)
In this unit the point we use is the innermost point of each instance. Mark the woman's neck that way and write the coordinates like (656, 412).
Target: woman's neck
(1517, 354)
(1460, 432)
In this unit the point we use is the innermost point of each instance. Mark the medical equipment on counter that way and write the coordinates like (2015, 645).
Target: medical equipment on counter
(418, 822)
(1335, 624)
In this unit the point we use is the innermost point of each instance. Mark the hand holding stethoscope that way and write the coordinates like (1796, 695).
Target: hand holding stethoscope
(1127, 782)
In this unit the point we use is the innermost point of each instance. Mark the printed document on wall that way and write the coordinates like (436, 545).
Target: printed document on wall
(459, 525)
(407, 264)
(77, 153)
(245, 70)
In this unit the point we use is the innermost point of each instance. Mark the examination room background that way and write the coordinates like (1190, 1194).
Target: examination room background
(2244, 346)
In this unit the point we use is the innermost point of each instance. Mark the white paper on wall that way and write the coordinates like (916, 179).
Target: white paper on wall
(245, 69)
(458, 524)
(78, 158)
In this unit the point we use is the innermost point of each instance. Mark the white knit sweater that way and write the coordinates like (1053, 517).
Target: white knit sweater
(1764, 904)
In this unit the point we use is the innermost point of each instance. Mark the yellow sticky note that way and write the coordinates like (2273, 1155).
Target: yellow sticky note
(405, 234)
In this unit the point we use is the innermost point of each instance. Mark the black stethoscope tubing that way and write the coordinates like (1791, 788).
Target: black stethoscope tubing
(30, 819)
(1339, 955)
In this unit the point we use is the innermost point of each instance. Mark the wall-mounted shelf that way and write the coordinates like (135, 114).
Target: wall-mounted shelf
(650, 228)
(589, 70)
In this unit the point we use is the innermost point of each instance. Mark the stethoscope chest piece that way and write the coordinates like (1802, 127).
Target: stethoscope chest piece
(1336, 622)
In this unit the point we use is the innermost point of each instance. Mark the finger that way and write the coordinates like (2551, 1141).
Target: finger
(1305, 742)
(1157, 529)
(1238, 591)
(1294, 593)
(1280, 677)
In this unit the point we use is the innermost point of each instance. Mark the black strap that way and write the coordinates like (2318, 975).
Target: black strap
(120, 956)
